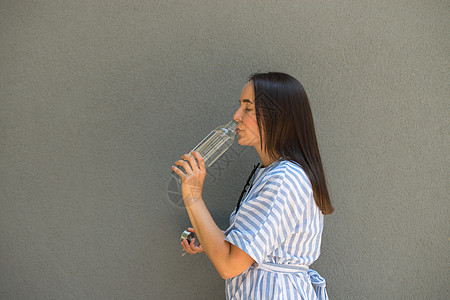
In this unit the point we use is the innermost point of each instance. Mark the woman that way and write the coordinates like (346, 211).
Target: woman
(276, 229)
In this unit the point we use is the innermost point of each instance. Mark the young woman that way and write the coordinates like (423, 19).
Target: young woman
(276, 229)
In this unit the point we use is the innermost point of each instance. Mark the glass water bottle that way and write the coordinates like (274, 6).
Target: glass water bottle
(214, 144)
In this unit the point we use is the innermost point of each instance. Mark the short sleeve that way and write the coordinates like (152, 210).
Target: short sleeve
(269, 216)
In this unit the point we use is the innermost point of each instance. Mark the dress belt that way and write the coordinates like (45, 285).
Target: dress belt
(316, 279)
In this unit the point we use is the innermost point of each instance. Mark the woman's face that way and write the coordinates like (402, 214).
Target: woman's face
(247, 127)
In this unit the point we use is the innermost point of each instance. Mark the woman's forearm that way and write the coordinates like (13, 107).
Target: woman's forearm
(209, 234)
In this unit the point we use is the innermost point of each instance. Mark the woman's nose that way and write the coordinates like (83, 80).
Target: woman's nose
(237, 116)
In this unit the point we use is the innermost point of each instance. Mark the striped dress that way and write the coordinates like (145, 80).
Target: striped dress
(280, 226)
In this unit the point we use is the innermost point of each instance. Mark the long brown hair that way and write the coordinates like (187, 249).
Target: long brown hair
(283, 112)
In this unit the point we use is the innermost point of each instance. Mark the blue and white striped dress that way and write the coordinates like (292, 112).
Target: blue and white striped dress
(280, 226)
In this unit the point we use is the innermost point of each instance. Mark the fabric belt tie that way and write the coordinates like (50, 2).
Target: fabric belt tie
(320, 284)
(316, 279)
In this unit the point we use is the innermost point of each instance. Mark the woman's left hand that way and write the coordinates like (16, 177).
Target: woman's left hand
(191, 247)
(193, 177)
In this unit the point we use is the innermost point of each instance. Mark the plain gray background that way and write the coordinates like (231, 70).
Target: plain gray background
(99, 98)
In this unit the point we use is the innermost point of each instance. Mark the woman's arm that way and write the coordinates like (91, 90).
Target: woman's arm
(228, 259)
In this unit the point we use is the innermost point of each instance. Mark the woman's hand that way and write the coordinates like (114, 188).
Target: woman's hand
(193, 178)
(192, 248)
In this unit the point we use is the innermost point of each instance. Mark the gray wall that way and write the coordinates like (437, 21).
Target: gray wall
(99, 98)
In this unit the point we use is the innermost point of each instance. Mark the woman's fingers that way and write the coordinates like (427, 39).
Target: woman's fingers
(186, 246)
(199, 248)
(192, 245)
(191, 248)
(185, 165)
(178, 171)
(201, 161)
(196, 248)
(192, 162)
(188, 162)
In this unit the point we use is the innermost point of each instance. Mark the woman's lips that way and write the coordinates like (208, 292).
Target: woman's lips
(238, 131)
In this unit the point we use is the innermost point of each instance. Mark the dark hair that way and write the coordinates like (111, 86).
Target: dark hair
(283, 113)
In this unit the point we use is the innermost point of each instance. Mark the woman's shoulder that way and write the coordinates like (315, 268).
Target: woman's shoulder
(287, 167)
(290, 172)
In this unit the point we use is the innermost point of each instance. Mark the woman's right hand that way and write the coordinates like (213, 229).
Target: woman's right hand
(192, 248)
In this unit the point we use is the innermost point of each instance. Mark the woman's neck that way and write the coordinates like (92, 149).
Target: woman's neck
(266, 159)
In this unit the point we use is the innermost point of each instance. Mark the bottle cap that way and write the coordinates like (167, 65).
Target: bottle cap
(187, 235)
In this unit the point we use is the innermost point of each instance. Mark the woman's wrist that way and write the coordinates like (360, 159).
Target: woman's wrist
(191, 201)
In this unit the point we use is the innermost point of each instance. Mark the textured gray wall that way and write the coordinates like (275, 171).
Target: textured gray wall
(99, 98)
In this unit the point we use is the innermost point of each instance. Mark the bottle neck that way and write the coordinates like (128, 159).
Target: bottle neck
(231, 126)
